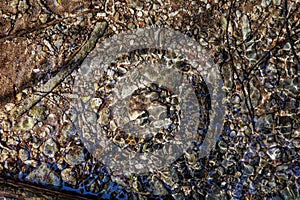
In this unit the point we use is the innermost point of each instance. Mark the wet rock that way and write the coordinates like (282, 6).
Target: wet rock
(248, 169)
(264, 122)
(49, 148)
(9, 106)
(274, 153)
(252, 162)
(159, 188)
(68, 175)
(27, 123)
(75, 156)
(43, 175)
(23, 154)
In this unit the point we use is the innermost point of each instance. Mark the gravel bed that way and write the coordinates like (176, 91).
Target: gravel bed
(254, 45)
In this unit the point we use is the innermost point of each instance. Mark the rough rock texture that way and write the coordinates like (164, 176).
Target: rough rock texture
(255, 45)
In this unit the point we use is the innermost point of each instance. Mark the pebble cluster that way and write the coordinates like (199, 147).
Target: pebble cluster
(150, 104)
(256, 48)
